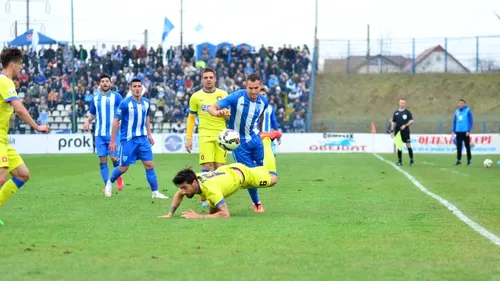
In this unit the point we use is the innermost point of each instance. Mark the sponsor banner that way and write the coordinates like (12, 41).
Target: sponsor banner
(158, 146)
(69, 143)
(29, 144)
(445, 144)
(176, 143)
(336, 143)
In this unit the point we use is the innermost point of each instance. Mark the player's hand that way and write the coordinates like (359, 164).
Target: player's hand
(169, 215)
(151, 140)
(189, 145)
(86, 125)
(190, 215)
(403, 127)
(467, 134)
(392, 135)
(43, 129)
(112, 146)
(224, 113)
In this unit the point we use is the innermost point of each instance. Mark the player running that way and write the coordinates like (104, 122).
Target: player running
(135, 137)
(10, 161)
(211, 155)
(246, 109)
(102, 108)
(223, 182)
(269, 122)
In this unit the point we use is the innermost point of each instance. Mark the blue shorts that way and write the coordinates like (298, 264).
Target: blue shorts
(137, 148)
(102, 147)
(250, 154)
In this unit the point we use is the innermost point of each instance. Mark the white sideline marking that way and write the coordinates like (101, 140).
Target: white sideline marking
(481, 230)
(444, 169)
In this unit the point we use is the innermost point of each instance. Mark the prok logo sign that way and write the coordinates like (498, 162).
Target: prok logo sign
(80, 142)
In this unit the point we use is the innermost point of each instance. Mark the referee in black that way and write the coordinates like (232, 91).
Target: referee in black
(402, 119)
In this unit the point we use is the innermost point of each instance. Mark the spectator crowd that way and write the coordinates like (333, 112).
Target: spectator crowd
(169, 78)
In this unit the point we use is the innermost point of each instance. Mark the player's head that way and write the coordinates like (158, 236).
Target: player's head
(402, 103)
(263, 91)
(12, 61)
(208, 79)
(254, 84)
(187, 182)
(105, 83)
(461, 103)
(136, 87)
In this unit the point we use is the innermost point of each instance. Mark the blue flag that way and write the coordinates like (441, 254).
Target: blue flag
(198, 27)
(498, 16)
(167, 28)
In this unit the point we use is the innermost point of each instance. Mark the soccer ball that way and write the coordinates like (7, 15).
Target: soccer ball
(229, 139)
(487, 163)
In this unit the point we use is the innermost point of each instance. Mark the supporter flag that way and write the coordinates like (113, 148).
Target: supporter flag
(34, 39)
(198, 27)
(167, 28)
(398, 141)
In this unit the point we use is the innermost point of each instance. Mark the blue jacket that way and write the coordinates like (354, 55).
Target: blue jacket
(462, 120)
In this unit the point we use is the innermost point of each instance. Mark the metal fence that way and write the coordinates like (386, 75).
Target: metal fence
(475, 54)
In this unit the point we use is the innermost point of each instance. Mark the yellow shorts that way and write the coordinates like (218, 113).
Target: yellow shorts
(254, 177)
(9, 158)
(210, 151)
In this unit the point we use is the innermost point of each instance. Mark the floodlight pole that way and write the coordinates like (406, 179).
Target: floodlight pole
(73, 73)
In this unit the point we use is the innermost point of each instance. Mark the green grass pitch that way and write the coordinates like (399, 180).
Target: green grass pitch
(331, 217)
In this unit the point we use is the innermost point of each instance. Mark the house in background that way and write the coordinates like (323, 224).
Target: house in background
(435, 59)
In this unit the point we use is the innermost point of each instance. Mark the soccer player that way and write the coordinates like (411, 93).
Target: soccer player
(463, 120)
(135, 137)
(269, 122)
(246, 109)
(211, 155)
(102, 108)
(223, 182)
(10, 161)
(402, 119)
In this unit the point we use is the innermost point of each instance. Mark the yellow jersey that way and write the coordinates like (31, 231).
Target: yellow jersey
(7, 94)
(217, 185)
(208, 125)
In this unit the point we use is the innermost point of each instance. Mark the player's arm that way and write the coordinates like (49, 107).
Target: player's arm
(216, 108)
(23, 113)
(92, 113)
(176, 202)
(121, 110)
(410, 120)
(191, 120)
(274, 121)
(220, 211)
(393, 123)
(471, 121)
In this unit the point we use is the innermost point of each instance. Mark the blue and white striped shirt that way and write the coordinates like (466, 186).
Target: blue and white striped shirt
(133, 116)
(245, 113)
(103, 107)
(269, 122)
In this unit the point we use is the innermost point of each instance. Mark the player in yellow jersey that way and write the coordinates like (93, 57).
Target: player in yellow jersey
(217, 185)
(211, 155)
(10, 161)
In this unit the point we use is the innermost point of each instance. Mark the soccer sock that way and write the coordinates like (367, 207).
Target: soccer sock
(104, 172)
(115, 174)
(151, 177)
(9, 188)
(269, 159)
(410, 152)
(400, 155)
(254, 194)
(204, 170)
(116, 163)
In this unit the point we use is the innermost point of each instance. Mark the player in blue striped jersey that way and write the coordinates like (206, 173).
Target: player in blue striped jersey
(246, 109)
(102, 109)
(269, 121)
(135, 137)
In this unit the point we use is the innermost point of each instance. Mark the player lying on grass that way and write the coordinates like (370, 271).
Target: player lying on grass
(217, 185)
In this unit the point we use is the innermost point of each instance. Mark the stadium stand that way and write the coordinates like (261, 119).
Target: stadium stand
(169, 77)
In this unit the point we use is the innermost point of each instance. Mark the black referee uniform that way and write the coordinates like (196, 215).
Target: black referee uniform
(402, 118)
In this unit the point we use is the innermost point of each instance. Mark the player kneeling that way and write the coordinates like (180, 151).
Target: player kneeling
(217, 185)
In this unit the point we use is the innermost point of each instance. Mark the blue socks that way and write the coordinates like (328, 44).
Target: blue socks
(116, 164)
(204, 170)
(19, 183)
(115, 174)
(151, 177)
(254, 194)
(104, 172)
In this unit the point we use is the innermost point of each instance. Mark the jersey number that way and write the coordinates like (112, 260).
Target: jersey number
(262, 183)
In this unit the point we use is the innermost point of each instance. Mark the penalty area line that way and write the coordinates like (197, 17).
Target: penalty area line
(454, 210)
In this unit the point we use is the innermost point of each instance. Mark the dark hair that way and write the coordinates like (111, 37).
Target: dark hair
(253, 77)
(186, 175)
(10, 55)
(462, 100)
(263, 89)
(207, 70)
(104, 76)
(135, 80)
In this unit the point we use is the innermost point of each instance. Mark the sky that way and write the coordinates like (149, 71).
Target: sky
(269, 22)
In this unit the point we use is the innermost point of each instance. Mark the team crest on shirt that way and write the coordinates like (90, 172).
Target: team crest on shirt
(404, 116)
(219, 97)
(202, 156)
(12, 91)
(4, 159)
